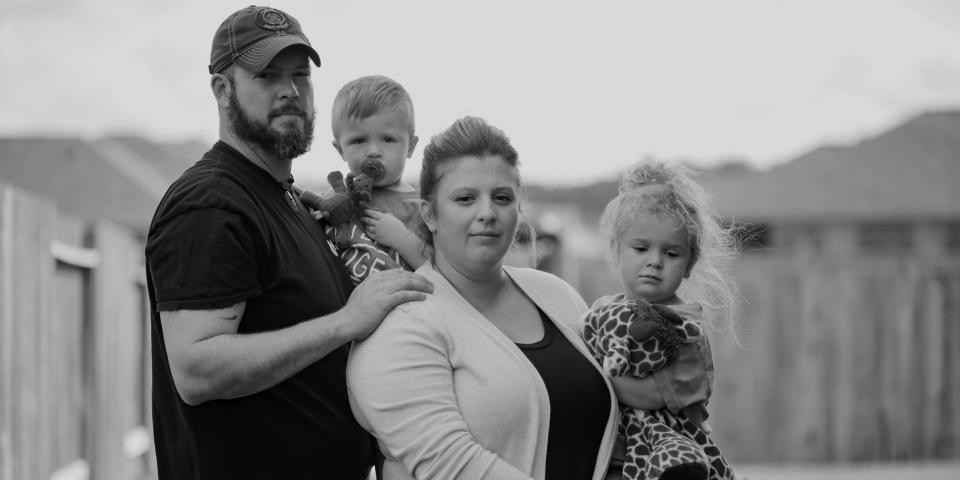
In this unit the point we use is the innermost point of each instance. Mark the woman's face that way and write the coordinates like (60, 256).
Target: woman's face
(474, 214)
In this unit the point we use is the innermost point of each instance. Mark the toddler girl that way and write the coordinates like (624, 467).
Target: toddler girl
(670, 252)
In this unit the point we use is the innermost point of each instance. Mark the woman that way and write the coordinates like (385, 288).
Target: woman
(486, 378)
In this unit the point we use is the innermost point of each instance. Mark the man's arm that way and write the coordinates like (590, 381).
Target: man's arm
(209, 360)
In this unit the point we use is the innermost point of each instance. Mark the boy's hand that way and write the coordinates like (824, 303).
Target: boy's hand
(384, 228)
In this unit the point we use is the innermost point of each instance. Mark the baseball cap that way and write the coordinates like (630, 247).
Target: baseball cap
(251, 37)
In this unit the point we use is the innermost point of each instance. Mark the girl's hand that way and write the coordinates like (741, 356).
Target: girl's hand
(384, 228)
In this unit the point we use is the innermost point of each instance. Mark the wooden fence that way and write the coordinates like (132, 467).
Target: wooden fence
(74, 401)
(854, 359)
(842, 360)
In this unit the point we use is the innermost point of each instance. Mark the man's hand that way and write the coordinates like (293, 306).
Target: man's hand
(376, 295)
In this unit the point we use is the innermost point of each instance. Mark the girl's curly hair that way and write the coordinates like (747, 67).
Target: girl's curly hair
(673, 191)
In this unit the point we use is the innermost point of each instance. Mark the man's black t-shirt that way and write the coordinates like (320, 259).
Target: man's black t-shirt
(227, 232)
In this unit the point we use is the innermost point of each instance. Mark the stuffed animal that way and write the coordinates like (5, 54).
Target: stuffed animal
(635, 338)
(346, 205)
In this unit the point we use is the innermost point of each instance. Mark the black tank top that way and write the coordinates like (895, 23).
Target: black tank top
(579, 404)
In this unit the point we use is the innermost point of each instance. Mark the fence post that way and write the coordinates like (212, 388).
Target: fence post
(26, 281)
(118, 412)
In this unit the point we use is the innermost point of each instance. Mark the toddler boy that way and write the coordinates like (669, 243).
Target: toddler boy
(373, 118)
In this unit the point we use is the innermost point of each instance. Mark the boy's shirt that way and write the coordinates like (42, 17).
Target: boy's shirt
(364, 255)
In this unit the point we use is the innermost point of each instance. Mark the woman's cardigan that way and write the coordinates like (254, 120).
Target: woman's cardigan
(449, 396)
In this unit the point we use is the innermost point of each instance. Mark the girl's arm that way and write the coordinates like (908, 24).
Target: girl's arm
(639, 393)
(683, 382)
(686, 380)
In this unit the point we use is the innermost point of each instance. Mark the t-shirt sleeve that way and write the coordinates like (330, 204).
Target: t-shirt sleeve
(203, 259)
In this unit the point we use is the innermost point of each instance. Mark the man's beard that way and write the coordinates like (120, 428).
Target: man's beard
(287, 143)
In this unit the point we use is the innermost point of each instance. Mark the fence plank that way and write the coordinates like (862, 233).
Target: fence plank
(934, 396)
(68, 352)
(809, 402)
(117, 352)
(8, 459)
(26, 417)
(952, 338)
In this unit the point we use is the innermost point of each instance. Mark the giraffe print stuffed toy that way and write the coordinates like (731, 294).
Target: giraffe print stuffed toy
(636, 338)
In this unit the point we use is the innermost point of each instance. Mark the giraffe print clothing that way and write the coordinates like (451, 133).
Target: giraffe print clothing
(611, 329)
(659, 444)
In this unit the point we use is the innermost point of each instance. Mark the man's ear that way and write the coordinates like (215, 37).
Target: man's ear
(336, 146)
(413, 144)
(428, 215)
(221, 87)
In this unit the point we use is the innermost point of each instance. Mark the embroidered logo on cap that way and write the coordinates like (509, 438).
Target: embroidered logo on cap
(273, 20)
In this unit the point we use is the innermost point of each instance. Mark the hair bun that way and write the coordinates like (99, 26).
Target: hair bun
(646, 173)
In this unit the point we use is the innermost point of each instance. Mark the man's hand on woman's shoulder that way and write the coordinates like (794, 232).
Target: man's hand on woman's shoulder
(376, 295)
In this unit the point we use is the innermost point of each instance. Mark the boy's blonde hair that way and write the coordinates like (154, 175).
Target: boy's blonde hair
(367, 96)
(651, 187)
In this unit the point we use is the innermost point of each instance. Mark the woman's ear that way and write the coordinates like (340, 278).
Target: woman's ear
(428, 215)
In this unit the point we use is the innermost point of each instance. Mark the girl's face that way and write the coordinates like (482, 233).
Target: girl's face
(654, 258)
(474, 214)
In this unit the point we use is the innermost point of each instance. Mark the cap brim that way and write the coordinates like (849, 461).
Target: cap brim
(258, 56)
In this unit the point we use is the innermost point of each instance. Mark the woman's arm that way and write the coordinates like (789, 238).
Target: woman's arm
(400, 382)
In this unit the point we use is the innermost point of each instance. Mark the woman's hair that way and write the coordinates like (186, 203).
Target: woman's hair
(468, 136)
(671, 191)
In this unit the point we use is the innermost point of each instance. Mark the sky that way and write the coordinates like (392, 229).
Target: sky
(583, 89)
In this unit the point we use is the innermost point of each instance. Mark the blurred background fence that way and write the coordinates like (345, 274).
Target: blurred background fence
(73, 346)
(835, 360)
(842, 360)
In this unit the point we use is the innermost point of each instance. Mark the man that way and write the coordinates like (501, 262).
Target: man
(252, 315)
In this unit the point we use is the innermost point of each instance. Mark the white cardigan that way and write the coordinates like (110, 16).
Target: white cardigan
(449, 396)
